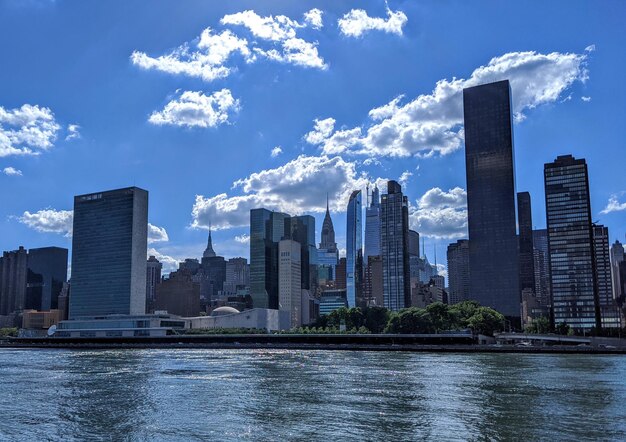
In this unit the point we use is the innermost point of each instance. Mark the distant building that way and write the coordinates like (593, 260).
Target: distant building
(541, 257)
(332, 300)
(372, 226)
(237, 276)
(178, 295)
(414, 243)
(229, 317)
(526, 256)
(394, 222)
(290, 280)
(40, 320)
(617, 256)
(209, 252)
(109, 247)
(153, 278)
(373, 288)
(609, 309)
(494, 274)
(340, 279)
(439, 281)
(13, 276)
(302, 230)
(212, 277)
(570, 241)
(354, 251)
(458, 271)
(267, 228)
(328, 232)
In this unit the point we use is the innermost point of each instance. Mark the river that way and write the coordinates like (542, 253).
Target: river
(188, 395)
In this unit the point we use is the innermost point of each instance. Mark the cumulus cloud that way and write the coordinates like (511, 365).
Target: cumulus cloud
(313, 18)
(405, 177)
(243, 239)
(194, 109)
(28, 130)
(614, 204)
(170, 263)
(49, 221)
(440, 214)
(157, 234)
(586, 99)
(590, 48)
(433, 123)
(212, 55)
(73, 132)
(276, 151)
(356, 23)
(11, 171)
(295, 187)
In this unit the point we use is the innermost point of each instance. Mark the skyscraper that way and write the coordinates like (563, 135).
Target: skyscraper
(541, 257)
(209, 252)
(494, 274)
(570, 242)
(13, 274)
(526, 258)
(47, 271)
(267, 228)
(327, 254)
(372, 226)
(609, 310)
(109, 247)
(153, 278)
(394, 227)
(290, 280)
(354, 250)
(617, 256)
(237, 276)
(458, 271)
(302, 230)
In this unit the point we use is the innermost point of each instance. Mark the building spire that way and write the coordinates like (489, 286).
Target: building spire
(209, 252)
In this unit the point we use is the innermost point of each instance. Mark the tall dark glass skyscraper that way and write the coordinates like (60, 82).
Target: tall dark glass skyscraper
(526, 258)
(354, 250)
(489, 160)
(458, 271)
(394, 241)
(570, 242)
(372, 226)
(109, 245)
(47, 271)
(267, 228)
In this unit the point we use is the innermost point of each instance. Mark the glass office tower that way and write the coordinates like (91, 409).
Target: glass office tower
(354, 250)
(47, 271)
(394, 241)
(372, 226)
(526, 258)
(493, 254)
(609, 309)
(109, 245)
(570, 243)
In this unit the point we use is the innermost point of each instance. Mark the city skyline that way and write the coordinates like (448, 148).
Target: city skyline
(134, 148)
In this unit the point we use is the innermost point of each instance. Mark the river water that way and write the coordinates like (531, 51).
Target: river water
(187, 395)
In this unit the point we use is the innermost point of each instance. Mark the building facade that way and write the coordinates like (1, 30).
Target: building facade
(489, 160)
(290, 280)
(13, 277)
(372, 226)
(394, 223)
(153, 278)
(526, 256)
(570, 243)
(609, 309)
(354, 250)
(617, 257)
(109, 247)
(458, 271)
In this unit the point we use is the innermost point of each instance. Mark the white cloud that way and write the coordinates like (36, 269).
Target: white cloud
(276, 151)
(443, 271)
(27, 130)
(194, 109)
(170, 263)
(313, 18)
(49, 221)
(210, 56)
(243, 239)
(207, 61)
(12, 171)
(157, 234)
(590, 48)
(73, 132)
(405, 177)
(614, 205)
(356, 23)
(296, 187)
(433, 123)
(440, 214)
(586, 99)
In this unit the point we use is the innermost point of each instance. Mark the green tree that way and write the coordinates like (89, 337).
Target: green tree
(8, 332)
(443, 318)
(410, 321)
(562, 329)
(486, 321)
(540, 325)
(376, 319)
(463, 311)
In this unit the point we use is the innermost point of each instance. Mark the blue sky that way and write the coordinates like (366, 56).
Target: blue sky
(217, 107)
